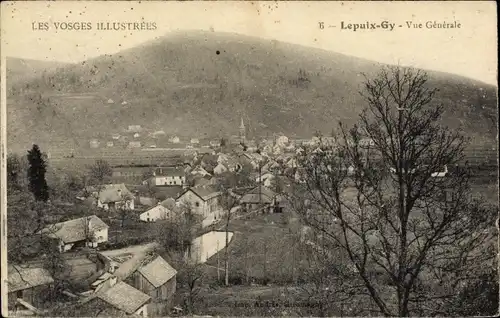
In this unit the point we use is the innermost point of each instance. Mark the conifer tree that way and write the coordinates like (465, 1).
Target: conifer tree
(36, 174)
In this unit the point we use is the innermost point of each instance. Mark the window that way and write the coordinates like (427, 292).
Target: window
(19, 294)
(175, 182)
(197, 204)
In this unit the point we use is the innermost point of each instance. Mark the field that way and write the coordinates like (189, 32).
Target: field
(261, 251)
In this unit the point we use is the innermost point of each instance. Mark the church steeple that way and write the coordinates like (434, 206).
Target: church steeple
(242, 130)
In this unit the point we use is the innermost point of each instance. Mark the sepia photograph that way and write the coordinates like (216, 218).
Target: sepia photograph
(249, 158)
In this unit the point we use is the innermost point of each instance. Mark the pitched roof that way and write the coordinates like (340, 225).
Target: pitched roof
(265, 191)
(158, 272)
(124, 297)
(206, 192)
(20, 278)
(170, 171)
(210, 159)
(255, 198)
(160, 208)
(168, 203)
(114, 193)
(75, 230)
(168, 192)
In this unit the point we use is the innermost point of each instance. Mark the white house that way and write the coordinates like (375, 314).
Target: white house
(168, 176)
(215, 143)
(109, 144)
(220, 168)
(115, 136)
(137, 135)
(174, 140)
(94, 143)
(282, 141)
(204, 201)
(158, 212)
(267, 179)
(366, 142)
(134, 128)
(89, 230)
(198, 170)
(195, 141)
(134, 144)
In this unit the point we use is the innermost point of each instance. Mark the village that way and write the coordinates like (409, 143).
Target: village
(179, 234)
(115, 254)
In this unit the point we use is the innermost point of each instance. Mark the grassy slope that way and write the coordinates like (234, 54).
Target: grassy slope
(180, 85)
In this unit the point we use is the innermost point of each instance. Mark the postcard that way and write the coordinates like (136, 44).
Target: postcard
(249, 158)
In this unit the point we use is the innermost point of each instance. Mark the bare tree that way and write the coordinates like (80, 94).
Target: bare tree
(228, 203)
(410, 233)
(190, 277)
(100, 172)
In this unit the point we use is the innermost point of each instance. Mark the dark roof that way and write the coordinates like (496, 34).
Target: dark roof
(255, 198)
(263, 190)
(168, 192)
(125, 297)
(170, 171)
(241, 191)
(210, 159)
(114, 193)
(158, 272)
(205, 192)
(20, 278)
(75, 230)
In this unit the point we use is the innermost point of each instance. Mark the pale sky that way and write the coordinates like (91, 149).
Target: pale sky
(470, 50)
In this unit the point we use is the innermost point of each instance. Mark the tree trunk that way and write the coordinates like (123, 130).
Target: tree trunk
(226, 262)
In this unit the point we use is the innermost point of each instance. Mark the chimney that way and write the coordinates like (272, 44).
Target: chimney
(112, 281)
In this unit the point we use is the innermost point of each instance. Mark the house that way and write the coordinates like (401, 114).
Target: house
(124, 297)
(253, 159)
(267, 179)
(220, 169)
(156, 278)
(195, 141)
(137, 135)
(163, 193)
(89, 230)
(282, 141)
(168, 176)
(366, 143)
(109, 144)
(159, 212)
(94, 143)
(145, 271)
(200, 181)
(231, 164)
(115, 136)
(134, 128)
(110, 101)
(27, 284)
(113, 196)
(260, 196)
(166, 209)
(209, 162)
(205, 201)
(134, 144)
(198, 170)
(215, 143)
(174, 140)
